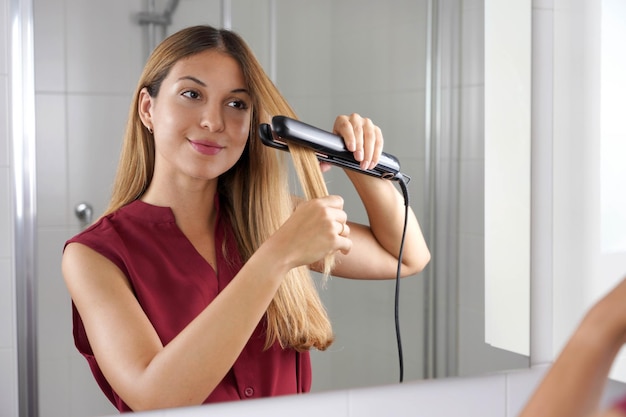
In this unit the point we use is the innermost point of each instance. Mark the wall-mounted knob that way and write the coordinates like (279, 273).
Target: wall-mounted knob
(84, 213)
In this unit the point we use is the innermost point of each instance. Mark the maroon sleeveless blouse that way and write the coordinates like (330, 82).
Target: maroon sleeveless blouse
(173, 283)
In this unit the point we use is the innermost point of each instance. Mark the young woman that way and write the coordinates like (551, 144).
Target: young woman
(194, 286)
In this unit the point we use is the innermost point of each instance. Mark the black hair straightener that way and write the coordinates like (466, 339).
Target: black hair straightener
(328, 147)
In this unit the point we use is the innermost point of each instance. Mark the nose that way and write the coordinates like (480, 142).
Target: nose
(212, 118)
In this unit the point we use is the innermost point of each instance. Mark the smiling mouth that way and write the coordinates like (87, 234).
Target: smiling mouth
(206, 148)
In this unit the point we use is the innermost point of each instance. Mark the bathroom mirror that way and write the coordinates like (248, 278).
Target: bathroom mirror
(416, 67)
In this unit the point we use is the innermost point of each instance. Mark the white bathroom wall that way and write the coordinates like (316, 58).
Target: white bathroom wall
(81, 104)
(612, 149)
(8, 340)
(589, 250)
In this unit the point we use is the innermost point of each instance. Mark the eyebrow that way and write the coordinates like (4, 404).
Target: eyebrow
(195, 80)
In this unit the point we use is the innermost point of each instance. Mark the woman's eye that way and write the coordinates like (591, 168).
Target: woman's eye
(238, 104)
(191, 94)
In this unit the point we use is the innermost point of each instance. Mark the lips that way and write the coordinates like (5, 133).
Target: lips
(205, 147)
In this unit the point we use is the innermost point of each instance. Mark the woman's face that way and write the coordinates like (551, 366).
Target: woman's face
(201, 116)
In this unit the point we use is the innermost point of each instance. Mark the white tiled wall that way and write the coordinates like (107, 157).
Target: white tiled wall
(85, 69)
(8, 341)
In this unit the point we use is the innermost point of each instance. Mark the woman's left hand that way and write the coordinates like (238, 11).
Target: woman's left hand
(362, 137)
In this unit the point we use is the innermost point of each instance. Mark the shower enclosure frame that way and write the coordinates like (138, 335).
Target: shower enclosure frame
(22, 146)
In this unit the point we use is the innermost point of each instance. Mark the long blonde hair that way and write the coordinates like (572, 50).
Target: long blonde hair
(255, 191)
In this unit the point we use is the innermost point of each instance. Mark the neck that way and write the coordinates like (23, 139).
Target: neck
(192, 202)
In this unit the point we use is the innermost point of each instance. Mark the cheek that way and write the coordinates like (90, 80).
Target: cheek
(244, 134)
(242, 131)
(170, 119)
(241, 143)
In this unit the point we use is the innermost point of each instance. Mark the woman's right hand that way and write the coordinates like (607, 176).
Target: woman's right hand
(315, 229)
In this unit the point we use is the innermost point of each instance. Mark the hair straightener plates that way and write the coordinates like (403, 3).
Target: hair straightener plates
(328, 147)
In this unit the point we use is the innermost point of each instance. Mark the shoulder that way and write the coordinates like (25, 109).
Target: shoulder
(85, 270)
(103, 240)
(82, 257)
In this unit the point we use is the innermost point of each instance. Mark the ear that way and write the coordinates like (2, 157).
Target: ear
(144, 108)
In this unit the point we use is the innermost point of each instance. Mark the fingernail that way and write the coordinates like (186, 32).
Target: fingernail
(358, 155)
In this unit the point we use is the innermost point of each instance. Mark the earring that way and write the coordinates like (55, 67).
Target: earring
(150, 130)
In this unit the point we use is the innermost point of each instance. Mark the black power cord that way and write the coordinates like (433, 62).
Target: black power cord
(403, 180)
